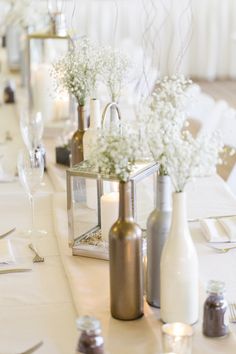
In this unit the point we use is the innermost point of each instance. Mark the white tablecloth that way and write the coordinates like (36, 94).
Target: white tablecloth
(36, 305)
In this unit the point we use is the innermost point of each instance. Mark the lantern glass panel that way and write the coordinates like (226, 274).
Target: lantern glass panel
(88, 192)
(85, 216)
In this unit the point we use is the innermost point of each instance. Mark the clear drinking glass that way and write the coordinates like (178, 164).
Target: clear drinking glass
(31, 125)
(177, 338)
(30, 169)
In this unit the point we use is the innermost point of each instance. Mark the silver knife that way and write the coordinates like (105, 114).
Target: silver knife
(14, 270)
(7, 233)
(32, 349)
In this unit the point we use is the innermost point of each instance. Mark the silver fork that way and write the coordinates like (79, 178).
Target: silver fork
(29, 350)
(232, 311)
(223, 249)
(37, 258)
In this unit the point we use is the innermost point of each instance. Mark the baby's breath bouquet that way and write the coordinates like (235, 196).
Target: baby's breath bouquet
(187, 157)
(78, 70)
(181, 156)
(115, 154)
(115, 72)
(165, 115)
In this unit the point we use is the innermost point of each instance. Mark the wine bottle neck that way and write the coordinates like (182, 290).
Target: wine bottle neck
(179, 209)
(125, 201)
(82, 126)
(164, 193)
(95, 114)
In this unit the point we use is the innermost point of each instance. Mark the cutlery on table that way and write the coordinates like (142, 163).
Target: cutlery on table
(7, 233)
(223, 249)
(14, 270)
(210, 217)
(37, 258)
(232, 311)
(29, 350)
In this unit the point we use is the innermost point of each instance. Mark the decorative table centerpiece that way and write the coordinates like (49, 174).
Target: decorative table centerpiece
(116, 155)
(164, 115)
(88, 227)
(185, 159)
(77, 73)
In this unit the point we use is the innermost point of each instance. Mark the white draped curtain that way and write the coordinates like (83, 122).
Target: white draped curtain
(196, 37)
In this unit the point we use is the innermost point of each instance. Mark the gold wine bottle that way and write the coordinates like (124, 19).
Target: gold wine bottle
(126, 270)
(77, 151)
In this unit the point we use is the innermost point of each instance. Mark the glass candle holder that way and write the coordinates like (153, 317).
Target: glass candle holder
(177, 338)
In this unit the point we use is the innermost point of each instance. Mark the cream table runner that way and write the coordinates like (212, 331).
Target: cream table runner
(89, 278)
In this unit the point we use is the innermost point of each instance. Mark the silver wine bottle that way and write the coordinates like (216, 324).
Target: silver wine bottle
(158, 226)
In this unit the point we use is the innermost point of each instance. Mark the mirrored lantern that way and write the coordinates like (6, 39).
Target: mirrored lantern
(92, 205)
(42, 50)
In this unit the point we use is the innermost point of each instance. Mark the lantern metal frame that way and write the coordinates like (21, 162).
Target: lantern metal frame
(85, 170)
(42, 37)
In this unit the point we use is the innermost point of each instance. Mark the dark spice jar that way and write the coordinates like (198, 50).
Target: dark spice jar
(90, 340)
(9, 92)
(215, 306)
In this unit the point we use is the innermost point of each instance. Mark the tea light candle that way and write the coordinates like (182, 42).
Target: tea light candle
(177, 338)
(109, 212)
(61, 108)
(42, 90)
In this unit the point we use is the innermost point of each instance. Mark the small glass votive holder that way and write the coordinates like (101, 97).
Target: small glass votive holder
(177, 338)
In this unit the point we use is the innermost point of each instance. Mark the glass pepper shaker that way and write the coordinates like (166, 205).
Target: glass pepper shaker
(90, 340)
(215, 306)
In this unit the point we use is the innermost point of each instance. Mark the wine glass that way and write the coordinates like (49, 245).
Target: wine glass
(31, 125)
(30, 170)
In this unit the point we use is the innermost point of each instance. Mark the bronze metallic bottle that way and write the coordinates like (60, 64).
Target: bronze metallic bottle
(77, 154)
(126, 270)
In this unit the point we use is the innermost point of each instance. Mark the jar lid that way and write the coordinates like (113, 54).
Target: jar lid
(216, 286)
(87, 323)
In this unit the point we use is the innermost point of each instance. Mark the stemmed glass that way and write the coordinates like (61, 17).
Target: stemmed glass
(30, 169)
(31, 125)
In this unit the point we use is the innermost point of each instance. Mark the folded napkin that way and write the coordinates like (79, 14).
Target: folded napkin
(6, 253)
(229, 224)
(219, 230)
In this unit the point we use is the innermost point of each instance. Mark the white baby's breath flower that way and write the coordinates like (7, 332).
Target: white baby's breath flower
(78, 70)
(180, 155)
(165, 115)
(115, 71)
(115, 154)
(186, 157)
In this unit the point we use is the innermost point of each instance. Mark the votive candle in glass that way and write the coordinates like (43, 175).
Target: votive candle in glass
(177, 338)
